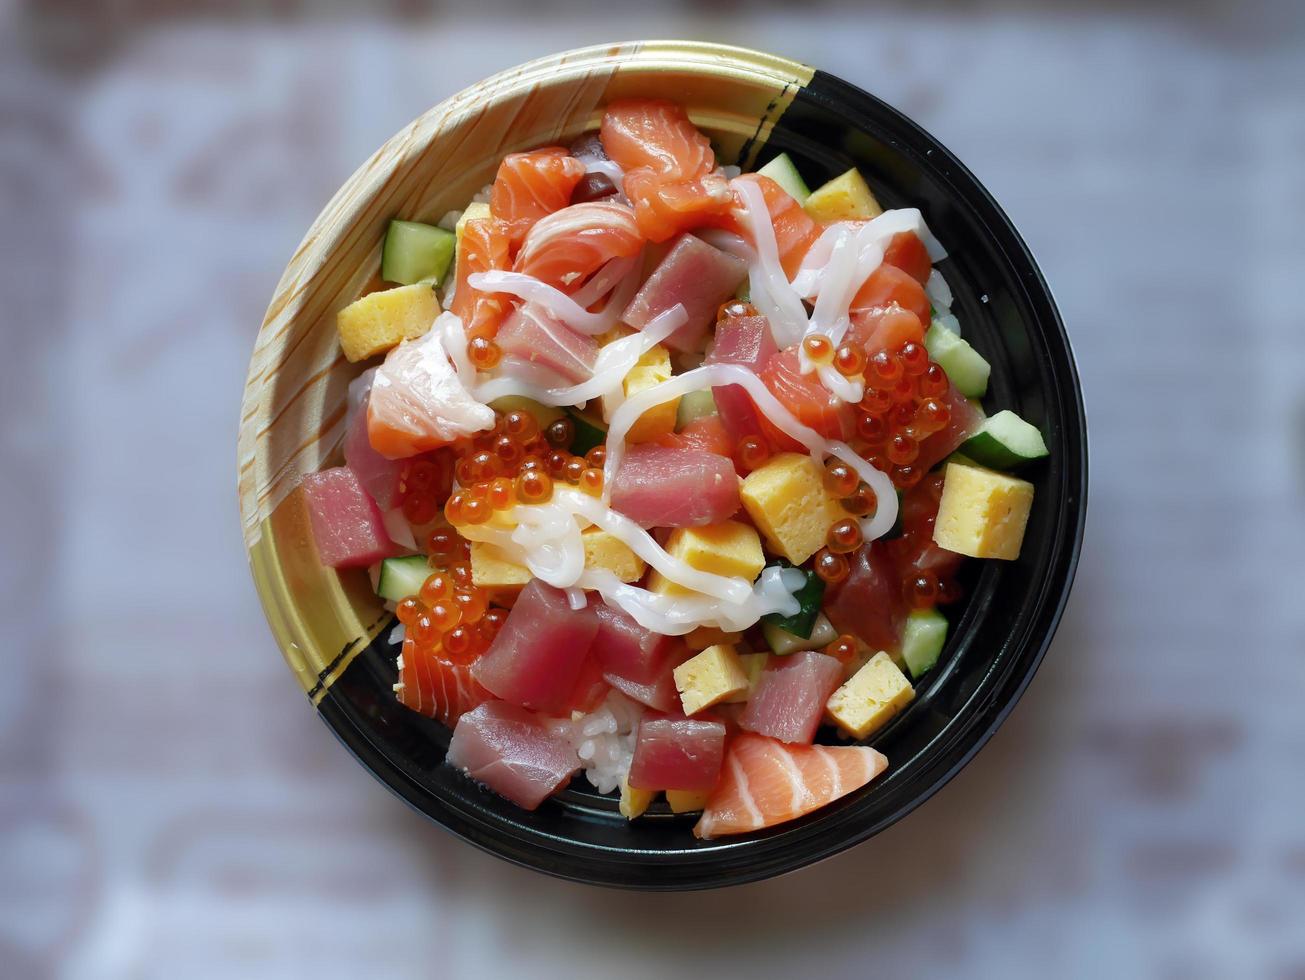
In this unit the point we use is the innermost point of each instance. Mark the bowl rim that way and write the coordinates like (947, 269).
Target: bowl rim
(488, 834)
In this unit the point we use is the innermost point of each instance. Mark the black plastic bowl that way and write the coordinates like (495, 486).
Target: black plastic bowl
(998, 638)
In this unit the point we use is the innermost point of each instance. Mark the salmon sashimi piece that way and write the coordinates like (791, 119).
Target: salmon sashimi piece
(485, 247)
(884, 328)
(566, 247)
(418, 403)
(655, 135)
(434, 685)
(668, 166)
(706, 433)
(764, 782)
(888, 285)
(531, 185)
(908, 253)
(810, 402)
(795, 230)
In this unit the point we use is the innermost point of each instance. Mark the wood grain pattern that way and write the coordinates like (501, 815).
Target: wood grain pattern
(293, 411)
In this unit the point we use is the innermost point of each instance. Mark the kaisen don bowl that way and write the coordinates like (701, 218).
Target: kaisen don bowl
(333, 630)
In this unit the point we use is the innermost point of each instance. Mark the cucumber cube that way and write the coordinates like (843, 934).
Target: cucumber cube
(963, 364)
(923, 640)
(415, 252)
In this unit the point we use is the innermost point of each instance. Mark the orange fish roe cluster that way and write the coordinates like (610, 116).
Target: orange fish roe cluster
(903, 405)
(452, 614)
(424, 485)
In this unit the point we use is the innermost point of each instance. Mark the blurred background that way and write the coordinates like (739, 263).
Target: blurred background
(167, 796)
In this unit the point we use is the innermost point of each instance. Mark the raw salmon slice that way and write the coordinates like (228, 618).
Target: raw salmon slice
(434, 685)
(764, 782)
(566, 247)
(485, 247)
(810, 402)
(795, 230)
(668, 167)
(531, 185)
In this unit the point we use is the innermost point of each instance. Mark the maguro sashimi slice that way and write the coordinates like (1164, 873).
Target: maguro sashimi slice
(964, 422)
(566, 247)
(529, 186)
(514, 752)
(869, 603)
(660, 487)
(695, 275)
(765, 782)
(536, 336)
(485, 247)
(668, 167)
(434, 685)
(348, 527)
(745, 340)
(789, 697)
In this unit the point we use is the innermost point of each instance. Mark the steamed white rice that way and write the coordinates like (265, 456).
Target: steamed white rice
(604, 740)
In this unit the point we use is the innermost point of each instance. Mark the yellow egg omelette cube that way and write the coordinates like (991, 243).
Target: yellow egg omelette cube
(982, 513)
(604, 550)
(686, 800)
(709, 678)
(870, 699)
(845, 197)
(634, 801)
(753, 665)
(786, 498)
(727, 548)
(651, 370)
(492, 569)
(380, 320)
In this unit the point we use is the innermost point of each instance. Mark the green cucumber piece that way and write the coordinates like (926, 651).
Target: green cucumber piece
(402, 577)
(544, 414)
(782, 642)
(589, 431)
(963, 364)
(923, 640)
(694, 405)
(1004, 442)
(415, 252)
(783, 172)
(809, 596)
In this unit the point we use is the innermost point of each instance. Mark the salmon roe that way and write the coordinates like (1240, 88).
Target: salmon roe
(832, 568)
(819, 348)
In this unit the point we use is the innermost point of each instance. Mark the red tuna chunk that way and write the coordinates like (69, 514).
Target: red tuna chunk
(534, 335)
(674, 752)
(539, 654)
(693, 273)
(869, 603)
(637, 661)
(965, 421)
(512, 752)
(347, 524)
(790, 696)
(742, 340)
(657, 486)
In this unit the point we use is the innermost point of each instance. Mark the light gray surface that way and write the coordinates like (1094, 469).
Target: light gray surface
(166, 794)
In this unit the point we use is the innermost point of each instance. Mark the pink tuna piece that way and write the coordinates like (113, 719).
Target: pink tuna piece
(790, 696)
(695, 274)
(869, 603)
(674, 752)
(539, 654)
(744, 340)
(965, 421)
(657, 486)
(379, 476)
(637, 661)
(535, 336)
(513, 752)
(347, 525)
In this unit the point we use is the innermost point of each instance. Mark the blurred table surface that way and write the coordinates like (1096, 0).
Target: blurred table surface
(165, 792)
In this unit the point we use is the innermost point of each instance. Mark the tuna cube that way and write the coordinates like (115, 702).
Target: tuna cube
(677, 753)
(695, 274)
(538, 338)
(539, 655)
(627, 649)
(965, 421)
(657, 486)
(512, 752)
(869, 603)
(790, 696)
(742, 340)
(348, 527)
